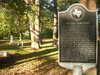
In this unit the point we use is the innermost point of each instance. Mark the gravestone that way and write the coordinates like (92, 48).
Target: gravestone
(77, 32)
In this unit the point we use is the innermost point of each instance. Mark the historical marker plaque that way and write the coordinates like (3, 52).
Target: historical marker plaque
(77, 35)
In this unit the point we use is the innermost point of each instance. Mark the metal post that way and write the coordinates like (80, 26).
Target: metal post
(77, 70)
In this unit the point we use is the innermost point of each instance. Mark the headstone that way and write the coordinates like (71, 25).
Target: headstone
(77, 33)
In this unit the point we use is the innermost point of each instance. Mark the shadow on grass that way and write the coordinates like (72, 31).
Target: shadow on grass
(49, 65)
(3, 41)
(9, 47)
(34, 54)
(17, 57)
(27, 44)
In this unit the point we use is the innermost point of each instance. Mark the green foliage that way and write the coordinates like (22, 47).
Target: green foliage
(47, 8)
(64, 4)
(13, 19)
(14, 16)
(4, 26)
(46, 22)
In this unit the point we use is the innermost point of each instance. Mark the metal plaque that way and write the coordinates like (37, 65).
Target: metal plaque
(77, 35)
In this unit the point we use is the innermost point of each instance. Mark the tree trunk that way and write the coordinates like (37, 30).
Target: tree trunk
(37, 24)
(84, 2)
(31, 31)
(55, 24)
(34, 29)
(90, 4)
(20, 39)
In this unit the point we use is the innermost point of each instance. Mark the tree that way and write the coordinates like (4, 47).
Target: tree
(34, 22)
(55, 11)
(18, 7)
(90, 4)
(37, 25)
(55, 26)
(64, 4)
(7, 23)
(16, 23)
(98, 3)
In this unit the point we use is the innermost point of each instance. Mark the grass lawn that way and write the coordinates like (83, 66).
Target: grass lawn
(26, 61)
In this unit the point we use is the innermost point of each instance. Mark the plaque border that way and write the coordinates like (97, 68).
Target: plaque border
(70, 65)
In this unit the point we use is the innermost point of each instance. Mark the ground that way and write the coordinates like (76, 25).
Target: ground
(27, 61)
